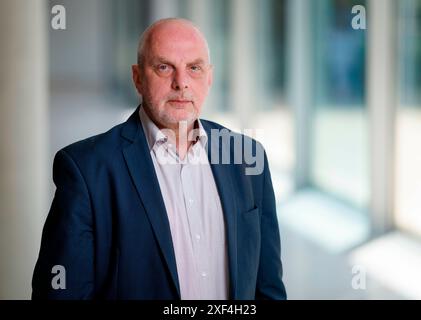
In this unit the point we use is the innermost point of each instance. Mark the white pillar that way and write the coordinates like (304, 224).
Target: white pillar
(299, 74)
(381, 100)
(23, 141)
(243, 72)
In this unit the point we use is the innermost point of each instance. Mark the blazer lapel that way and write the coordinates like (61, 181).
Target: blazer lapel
(139, 163)
(224, 183)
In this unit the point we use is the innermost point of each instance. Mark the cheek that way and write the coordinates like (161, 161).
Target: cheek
(202, 91)
(157, 89)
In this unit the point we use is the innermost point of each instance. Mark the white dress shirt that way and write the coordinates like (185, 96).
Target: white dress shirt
(194, 212)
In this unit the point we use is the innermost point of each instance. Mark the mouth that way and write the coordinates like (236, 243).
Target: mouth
(179, 102)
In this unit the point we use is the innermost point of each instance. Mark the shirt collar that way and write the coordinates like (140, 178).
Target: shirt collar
(155, 136)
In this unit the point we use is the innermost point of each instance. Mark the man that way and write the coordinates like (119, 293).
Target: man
(141, 213)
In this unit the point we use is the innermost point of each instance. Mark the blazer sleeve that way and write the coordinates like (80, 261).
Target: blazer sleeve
(67, 238)
(269, 278)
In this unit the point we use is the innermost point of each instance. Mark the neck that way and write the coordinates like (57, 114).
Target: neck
(181, 135)
(177, 133)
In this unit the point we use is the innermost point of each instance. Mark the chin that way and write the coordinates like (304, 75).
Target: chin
(176, 118)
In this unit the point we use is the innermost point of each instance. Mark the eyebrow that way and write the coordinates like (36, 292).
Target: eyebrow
(161, 59)
(197, 61)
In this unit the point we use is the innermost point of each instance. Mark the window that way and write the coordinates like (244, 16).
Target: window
(408, 121)
(129, 19)
(339, 139)
(272, 112)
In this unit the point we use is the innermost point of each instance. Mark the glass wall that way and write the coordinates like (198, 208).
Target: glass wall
(273, 113)
(219, 37)
(339, 137)
(408, 120)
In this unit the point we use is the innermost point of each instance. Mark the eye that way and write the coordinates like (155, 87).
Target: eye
(196, 68)
(163, 68)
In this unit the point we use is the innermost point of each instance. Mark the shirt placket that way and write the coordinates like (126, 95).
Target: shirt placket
(193, 211)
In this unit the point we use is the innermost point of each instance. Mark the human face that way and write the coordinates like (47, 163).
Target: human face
(175, 76)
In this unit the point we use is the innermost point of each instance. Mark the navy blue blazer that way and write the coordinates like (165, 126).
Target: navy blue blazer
(108, 225)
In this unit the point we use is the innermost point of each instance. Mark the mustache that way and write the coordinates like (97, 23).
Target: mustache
(184, 96)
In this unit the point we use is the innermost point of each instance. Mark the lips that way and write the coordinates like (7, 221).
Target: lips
(179, 101)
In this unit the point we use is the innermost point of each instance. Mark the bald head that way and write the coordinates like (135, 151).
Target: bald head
(173, 74)
(174, 27)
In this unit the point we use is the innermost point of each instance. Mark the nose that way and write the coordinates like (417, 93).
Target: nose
(180, 80)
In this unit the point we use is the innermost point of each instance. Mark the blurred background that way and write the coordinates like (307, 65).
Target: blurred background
(340, 110)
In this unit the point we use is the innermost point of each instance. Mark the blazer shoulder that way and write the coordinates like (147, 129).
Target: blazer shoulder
(211, 125)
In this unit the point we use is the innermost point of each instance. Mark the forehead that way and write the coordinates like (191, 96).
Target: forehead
(177, 42)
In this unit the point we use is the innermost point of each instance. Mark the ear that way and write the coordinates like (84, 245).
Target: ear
(137, 78)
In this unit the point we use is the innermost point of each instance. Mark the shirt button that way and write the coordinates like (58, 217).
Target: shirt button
(198, 236)
(204, 274)
(191, 201)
